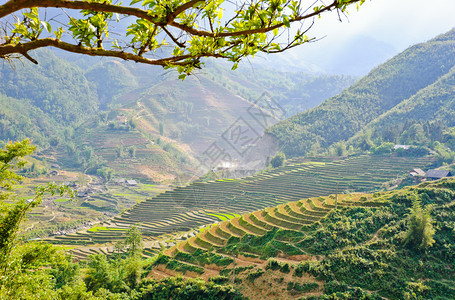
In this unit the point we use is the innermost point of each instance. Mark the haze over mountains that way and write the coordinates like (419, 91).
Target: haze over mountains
(354, 57)
(66, 103)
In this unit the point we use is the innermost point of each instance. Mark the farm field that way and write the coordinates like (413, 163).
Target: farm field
(200, 203)
(95, 201)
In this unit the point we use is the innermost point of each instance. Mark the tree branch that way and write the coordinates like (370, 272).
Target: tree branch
(163, 17)
(205, 33)
(27, 56)
(174, 39)
(15, 5)
(24, 48)
(181, 9)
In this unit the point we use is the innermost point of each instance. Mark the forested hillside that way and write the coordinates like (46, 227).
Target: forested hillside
(435, 102)
(44, 99)
(417, 83)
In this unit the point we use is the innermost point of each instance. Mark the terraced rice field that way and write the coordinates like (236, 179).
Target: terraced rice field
(290, 216)
(198, 204)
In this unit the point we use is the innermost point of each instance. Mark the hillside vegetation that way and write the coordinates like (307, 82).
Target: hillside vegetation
(425, 119)
(417, 84)
(358, 250)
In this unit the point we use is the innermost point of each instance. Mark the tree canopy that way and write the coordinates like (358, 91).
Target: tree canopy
(169, 33)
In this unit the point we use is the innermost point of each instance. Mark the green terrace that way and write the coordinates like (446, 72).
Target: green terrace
(294, 216)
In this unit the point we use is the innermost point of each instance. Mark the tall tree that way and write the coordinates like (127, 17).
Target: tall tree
(169, 33)
(420, 231)
(21, 263)
(133, 241)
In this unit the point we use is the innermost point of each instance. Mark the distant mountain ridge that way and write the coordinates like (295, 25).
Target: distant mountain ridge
(416, 84)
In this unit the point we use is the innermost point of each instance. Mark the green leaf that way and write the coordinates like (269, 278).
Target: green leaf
(134, 2)
(31, 16)
(275, 31)
(116, 45)
(198, 4)
(58, 33)
(286, 21)
(47, 25)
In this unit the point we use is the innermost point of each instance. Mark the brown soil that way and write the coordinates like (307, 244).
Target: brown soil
(301, 257)
(274, 284)
(156, 176)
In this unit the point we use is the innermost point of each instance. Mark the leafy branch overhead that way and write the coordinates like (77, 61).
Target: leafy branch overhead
(169, 33)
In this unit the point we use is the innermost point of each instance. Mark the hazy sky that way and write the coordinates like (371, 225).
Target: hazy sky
(399, 23)
(370, 36)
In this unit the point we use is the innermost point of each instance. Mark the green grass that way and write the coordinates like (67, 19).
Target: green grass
(96, 228)
(223, 216)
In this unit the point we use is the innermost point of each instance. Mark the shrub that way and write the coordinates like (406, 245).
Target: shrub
(384, 148)
(304, 287)
(219, 279)
(180, 288)
(298, 270)
(255, 274)
(278, 160)
(285, 268)
(272, 264)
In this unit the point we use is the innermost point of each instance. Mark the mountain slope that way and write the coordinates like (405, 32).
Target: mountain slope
(434, 102)
(57, 87)
(342, 116)
(65, 102)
